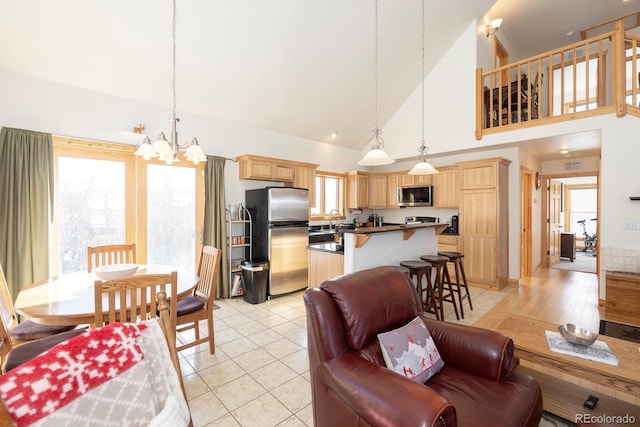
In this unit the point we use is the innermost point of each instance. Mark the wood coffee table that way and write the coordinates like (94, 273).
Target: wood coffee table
(564, 398)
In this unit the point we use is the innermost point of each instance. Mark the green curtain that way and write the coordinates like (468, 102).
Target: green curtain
(26, 197)
(215, 231)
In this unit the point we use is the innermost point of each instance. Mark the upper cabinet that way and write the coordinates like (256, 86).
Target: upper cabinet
(297, 174)
(357, 190)
(305, 177)
(407, 180)
(377, 191)
(392, 190)
(446, 187)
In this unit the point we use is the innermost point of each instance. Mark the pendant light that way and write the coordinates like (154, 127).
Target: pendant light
(423, 165)
(376, 155)
(168, 151)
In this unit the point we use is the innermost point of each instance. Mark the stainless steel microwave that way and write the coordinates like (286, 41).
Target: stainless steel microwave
(415, 196)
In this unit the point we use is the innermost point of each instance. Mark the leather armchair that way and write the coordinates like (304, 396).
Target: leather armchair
(352, 387)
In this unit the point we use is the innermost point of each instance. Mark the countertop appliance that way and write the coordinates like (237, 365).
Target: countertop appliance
(415, 196)
(280, 219)
(454, 224)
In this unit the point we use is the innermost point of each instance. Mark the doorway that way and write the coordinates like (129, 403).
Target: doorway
(570, 214)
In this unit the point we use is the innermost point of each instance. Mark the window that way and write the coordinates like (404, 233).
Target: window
(329, 195)
(582, 205)
(568, 93)
(106, 195)
(632, 85)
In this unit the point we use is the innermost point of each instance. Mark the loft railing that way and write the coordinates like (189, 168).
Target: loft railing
(599, 75)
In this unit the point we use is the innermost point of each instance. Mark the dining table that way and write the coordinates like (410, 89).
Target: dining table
(69, 298)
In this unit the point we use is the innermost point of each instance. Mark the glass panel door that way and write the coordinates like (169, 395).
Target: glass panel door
(171, 215)
(90, 208)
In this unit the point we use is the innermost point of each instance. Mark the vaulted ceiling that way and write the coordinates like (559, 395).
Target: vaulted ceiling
(300, 67)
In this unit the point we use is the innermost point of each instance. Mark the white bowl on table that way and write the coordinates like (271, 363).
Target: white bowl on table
(115, 271)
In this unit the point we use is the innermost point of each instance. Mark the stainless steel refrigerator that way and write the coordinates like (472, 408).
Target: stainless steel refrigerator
(280, 235)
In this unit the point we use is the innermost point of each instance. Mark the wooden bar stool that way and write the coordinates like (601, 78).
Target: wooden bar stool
(456, 259)
(442, 285)
(418, 269)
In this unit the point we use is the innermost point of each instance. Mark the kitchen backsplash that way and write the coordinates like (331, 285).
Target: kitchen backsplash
(620, 259)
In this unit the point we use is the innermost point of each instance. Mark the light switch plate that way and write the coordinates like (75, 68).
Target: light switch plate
(631, 224)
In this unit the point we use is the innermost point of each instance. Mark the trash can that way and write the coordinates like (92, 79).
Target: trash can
(255, 276)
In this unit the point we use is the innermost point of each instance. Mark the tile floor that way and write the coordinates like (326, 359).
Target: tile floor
(259, 375)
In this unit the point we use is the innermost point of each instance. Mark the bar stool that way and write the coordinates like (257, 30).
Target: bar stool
(418, 269)
(456, 259)
(442, 286)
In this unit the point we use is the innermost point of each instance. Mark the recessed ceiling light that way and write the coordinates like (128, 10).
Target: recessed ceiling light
(569, 33)
(564, 151)
(334, 134)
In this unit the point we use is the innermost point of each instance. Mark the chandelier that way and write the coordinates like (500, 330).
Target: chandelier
(168, 151)
(423, 165)
(376, 155)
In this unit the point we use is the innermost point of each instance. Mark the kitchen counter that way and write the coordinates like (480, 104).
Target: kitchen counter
(367, 247)
(403, 227)
(325, 262)
(327, 247)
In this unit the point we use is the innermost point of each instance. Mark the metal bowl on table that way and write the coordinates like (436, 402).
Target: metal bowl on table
(576, 335)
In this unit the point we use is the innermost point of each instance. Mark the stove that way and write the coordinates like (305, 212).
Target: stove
(420, 219)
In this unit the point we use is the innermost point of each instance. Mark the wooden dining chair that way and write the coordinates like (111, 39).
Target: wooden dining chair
(199, 305)
(12, 356)
(98, 256)
(134, 298)
(168, 327)
(27, 330)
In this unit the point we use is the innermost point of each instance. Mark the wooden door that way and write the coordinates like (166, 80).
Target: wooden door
(554, 197)
(526, 236)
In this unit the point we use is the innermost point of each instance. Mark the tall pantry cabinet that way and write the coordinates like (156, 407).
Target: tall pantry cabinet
(484, 221)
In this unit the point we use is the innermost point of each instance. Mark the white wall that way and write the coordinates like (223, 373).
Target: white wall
(620, 179)
(39, 105)
(449, 106)
(450, 125)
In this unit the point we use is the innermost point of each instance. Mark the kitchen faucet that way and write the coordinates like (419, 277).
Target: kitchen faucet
(331, 226)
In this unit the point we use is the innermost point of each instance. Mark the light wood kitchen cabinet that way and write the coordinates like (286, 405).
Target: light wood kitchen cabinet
(305, 177)
(407, 180)
(272, 169)
(357, 190)
(449, 243)
(446, 187)
(484, 221)
(255, 167)
(420, 180)
(324, 266)
(377, 191)
(283, 172)
(392, 190)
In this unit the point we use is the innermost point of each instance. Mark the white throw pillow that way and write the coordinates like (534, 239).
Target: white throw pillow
(410, 351)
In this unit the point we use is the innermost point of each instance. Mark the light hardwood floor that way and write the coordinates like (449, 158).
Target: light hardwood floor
(556, 296)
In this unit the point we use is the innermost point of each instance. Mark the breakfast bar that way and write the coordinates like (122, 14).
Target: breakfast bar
(368, 247)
